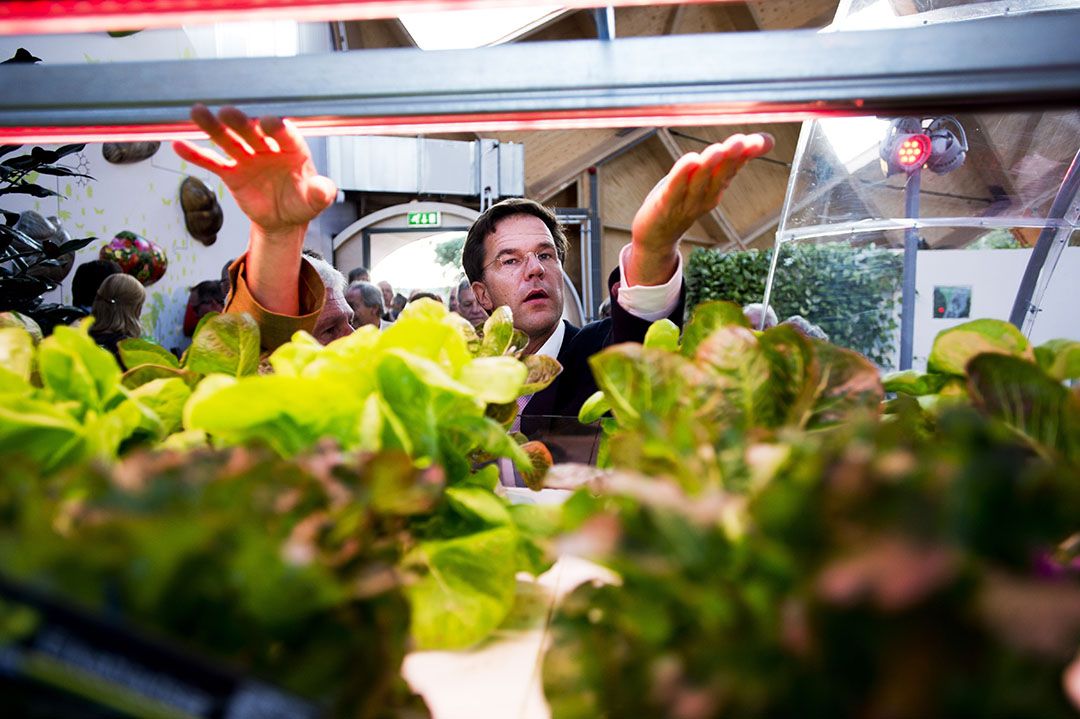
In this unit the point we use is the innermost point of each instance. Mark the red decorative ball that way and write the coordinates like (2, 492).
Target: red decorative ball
(137, 256)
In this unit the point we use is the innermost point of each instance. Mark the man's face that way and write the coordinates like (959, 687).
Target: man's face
(522, 271)
(387, 293)
(362, 314)
(335, 320)
(469, 308)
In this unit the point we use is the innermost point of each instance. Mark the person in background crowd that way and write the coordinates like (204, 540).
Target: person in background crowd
(754, 312)
(336, 317)
(467, 306)
(205, 297)
(419, 294)
(88, 278)
(359, 274)
(397, 304)
(366, 301)
(226, 284)
(807, 327)
(387, 300)
(451, 299)
(116, 311)
(605, 308)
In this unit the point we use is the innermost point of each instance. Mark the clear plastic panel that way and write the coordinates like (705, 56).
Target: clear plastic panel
(1008, 177)
(988, 194)
(871, 14)
(849, 286)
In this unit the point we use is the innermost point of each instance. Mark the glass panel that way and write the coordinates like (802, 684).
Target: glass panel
(850, 286)
(1008, 177)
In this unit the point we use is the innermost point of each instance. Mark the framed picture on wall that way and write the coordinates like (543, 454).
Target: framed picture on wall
(952, 302)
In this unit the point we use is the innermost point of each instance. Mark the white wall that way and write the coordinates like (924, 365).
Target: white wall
(994, 276)
(144, 197)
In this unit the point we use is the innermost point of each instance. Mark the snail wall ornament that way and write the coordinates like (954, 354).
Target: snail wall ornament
(202, 213)
(124, 153)
(137, 256)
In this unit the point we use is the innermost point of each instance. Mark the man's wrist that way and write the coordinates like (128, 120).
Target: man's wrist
(291, 236)
(650, 267)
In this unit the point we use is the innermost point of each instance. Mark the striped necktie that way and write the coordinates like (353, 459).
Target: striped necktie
(521, 402)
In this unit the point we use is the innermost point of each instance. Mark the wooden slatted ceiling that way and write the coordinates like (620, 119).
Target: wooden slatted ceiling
(374, 34)
(790, 14)
(626, 180)
(756, 194)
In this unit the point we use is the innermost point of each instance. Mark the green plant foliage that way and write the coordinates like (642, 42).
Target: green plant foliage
(785, 550)
(28, 267)
(955, 347)
(309, 524)
(724, 380)
(991, 364)
(449, 252)
(850, 292)
(1060, 358)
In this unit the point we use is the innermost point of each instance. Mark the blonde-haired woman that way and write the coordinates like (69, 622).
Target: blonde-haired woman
(116, 311)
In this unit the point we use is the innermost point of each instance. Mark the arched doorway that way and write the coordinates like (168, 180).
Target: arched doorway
(373, 238)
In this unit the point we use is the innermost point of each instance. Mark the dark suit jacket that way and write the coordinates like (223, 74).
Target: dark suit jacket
(575, 384)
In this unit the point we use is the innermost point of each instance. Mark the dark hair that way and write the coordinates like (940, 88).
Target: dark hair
(88, 278)
(209, 290)
(358, 274)
(420, 294)
(370, 295)
(472, 255)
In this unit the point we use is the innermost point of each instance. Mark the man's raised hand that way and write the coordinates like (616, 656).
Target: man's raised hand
(691, 189)
(267, 167)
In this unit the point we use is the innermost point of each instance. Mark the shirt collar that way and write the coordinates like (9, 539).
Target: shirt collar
(554, 342)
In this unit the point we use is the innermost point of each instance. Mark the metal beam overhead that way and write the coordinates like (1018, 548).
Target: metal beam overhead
(1030, 61)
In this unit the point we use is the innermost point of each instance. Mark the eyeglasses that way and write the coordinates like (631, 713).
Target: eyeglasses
(512, 262)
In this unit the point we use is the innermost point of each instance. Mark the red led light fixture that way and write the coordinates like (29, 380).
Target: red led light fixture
(913, 151)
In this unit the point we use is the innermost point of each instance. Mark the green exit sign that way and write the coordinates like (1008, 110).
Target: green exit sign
(424, 219)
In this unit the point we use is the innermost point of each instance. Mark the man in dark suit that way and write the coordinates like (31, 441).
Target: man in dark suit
(529, 281)
(514, 251)
(513, 254)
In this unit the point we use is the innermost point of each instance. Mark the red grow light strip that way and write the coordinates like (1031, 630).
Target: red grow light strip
(24, 17)
(659, 116)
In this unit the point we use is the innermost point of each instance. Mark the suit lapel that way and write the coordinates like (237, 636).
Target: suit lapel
(545, 401)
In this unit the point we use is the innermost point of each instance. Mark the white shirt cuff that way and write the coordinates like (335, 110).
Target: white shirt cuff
(649, 302)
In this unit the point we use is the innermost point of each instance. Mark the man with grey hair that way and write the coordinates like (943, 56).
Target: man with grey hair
(336, 317)
(467, 306)
(366, 301)
(760, 316)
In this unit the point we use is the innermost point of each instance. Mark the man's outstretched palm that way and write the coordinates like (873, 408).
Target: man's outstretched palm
(691, 189)
(268, 168)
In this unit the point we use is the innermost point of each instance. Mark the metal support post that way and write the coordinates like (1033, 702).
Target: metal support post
(595, 279)
(911, 248)
(1023, 310)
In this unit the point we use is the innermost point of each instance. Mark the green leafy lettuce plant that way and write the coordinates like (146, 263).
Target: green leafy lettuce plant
(786, 550)
(990, 364)
(310, 523)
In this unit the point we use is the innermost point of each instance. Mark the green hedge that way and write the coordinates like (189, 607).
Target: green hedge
(850, 292)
